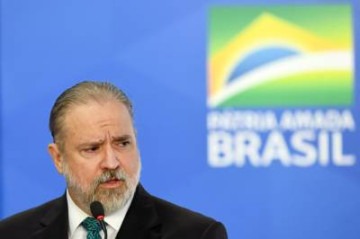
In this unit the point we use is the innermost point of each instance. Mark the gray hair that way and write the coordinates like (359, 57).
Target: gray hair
(82, 93)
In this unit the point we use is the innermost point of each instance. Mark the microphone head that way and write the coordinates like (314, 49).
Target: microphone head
(97, 210)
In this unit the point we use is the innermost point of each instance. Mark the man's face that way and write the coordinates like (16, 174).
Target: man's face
(99, 158)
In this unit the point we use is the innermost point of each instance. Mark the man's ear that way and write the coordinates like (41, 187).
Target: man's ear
(56, 156)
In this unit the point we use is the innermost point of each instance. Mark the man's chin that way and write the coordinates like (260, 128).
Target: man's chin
(112, 198)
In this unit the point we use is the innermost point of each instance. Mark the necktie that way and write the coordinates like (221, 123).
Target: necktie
(92, 227)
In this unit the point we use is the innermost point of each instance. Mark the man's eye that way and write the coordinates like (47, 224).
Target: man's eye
(91, 149)
(124, 143)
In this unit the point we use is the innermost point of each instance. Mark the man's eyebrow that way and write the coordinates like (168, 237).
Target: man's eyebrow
(121, 138)
(91, 143)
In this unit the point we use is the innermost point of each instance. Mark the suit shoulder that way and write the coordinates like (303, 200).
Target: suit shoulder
(168, 209)
(26, 219)
(181, 221)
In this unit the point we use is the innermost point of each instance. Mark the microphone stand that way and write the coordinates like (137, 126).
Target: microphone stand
(103, 226)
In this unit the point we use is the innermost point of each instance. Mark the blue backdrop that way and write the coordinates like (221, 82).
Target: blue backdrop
(157, 52)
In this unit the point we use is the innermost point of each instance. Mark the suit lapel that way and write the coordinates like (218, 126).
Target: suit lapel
(141, 220)
(54, 224)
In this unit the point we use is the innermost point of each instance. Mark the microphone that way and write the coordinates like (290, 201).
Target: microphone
(97, 210)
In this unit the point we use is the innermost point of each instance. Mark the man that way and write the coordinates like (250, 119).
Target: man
(95, 148)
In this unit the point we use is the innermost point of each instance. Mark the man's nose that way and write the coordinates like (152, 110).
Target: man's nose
(110, 158)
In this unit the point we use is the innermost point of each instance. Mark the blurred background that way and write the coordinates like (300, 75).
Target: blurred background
(246, 111)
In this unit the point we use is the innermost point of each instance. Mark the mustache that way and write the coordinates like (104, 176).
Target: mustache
(111, 174)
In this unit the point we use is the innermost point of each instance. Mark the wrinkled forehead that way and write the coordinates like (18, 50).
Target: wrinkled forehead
(107, 115)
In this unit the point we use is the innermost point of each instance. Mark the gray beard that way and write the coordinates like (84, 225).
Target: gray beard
(112, 199)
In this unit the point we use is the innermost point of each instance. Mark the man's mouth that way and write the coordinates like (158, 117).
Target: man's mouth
(112, 183)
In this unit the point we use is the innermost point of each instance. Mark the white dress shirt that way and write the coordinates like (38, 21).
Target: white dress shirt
(76, 216)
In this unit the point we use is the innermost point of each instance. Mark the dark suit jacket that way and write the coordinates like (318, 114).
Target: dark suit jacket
(148, 217)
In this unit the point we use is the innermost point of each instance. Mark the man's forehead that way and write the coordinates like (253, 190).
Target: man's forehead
(95, 117)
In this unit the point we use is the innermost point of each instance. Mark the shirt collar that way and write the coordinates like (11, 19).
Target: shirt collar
(76, 215)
